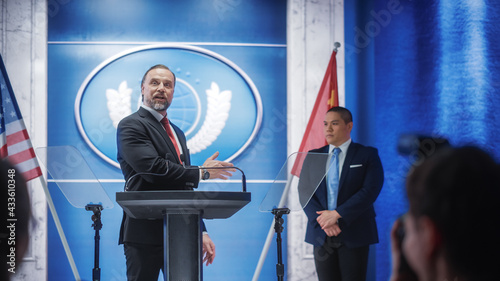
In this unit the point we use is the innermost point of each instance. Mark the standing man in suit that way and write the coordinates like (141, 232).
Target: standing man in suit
(155, 150)
(341, 217)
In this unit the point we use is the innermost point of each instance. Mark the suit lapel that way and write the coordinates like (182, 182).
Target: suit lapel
(351, 151)
(159, 127)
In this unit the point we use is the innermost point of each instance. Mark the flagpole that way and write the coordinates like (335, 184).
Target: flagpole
(59, 228)
(271, 233)
(19, 126)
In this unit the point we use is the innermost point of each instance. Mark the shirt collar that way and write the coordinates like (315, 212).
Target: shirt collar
(343, 147)
(155, 113)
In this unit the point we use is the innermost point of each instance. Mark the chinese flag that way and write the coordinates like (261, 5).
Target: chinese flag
(327, 98)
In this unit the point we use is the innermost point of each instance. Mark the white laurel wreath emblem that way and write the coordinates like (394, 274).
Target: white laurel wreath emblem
(218, 106)
(119, 105)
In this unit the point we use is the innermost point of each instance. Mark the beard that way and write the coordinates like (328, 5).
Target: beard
(157, 105)
(160, 106)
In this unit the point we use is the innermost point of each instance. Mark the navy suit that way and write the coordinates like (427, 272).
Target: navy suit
(360, 183)
(144, 146)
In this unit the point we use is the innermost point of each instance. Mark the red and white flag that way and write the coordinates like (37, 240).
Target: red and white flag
(327, 98)
(15, 144)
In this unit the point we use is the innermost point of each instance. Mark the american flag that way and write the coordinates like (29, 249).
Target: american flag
(15, 144)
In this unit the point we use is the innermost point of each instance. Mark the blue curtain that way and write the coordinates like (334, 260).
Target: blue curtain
(428, 67)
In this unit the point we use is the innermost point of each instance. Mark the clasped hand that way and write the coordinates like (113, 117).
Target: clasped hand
(328, 220)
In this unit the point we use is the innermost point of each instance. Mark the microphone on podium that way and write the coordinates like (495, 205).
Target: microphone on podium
(146, 174)
(243, 177)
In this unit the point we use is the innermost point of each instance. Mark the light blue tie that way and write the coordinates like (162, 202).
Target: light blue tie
(333, 180)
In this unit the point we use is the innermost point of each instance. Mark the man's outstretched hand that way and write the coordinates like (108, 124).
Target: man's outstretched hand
(218, 173)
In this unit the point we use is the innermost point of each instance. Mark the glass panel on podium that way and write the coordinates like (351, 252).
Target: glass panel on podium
(68, 169)
(296, 182)
(291, 190)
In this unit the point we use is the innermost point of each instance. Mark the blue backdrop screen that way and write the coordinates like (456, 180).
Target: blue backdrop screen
(240, 48)
(426, 67)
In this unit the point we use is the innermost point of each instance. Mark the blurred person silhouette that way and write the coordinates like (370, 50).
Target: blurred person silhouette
(452, 229)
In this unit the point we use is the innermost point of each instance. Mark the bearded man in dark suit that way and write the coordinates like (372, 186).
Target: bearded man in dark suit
(149, 143)
(341, 217)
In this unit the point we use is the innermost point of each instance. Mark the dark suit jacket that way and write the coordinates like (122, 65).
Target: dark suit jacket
(360, 183)
(144, 146)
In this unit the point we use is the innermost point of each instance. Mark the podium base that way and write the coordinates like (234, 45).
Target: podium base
(182, 246)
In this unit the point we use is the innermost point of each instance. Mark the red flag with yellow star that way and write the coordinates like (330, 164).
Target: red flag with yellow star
(327, 98)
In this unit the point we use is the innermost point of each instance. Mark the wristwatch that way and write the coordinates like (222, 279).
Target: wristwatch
(206, 175)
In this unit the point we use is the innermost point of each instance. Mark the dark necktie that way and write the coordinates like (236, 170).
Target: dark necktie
(170, 134)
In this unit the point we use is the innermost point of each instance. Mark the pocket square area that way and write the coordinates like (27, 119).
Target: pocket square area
(355, 165)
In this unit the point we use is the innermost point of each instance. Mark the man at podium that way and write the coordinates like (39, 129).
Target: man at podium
(153, 155)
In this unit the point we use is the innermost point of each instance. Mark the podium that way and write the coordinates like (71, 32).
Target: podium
(182, 212)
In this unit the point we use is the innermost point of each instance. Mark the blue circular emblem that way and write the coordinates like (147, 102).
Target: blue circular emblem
(215, 103)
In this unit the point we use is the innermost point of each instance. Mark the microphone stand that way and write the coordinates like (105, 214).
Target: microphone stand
(145, 174)
(243, 177)
(96, 218)
(278, 228)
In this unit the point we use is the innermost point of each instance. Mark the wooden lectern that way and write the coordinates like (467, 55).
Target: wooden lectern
(182, 212)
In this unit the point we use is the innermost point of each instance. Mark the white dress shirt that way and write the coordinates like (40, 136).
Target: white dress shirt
(158, 117)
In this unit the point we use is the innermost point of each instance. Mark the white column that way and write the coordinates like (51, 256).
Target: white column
(23, 35)
(312, 29)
